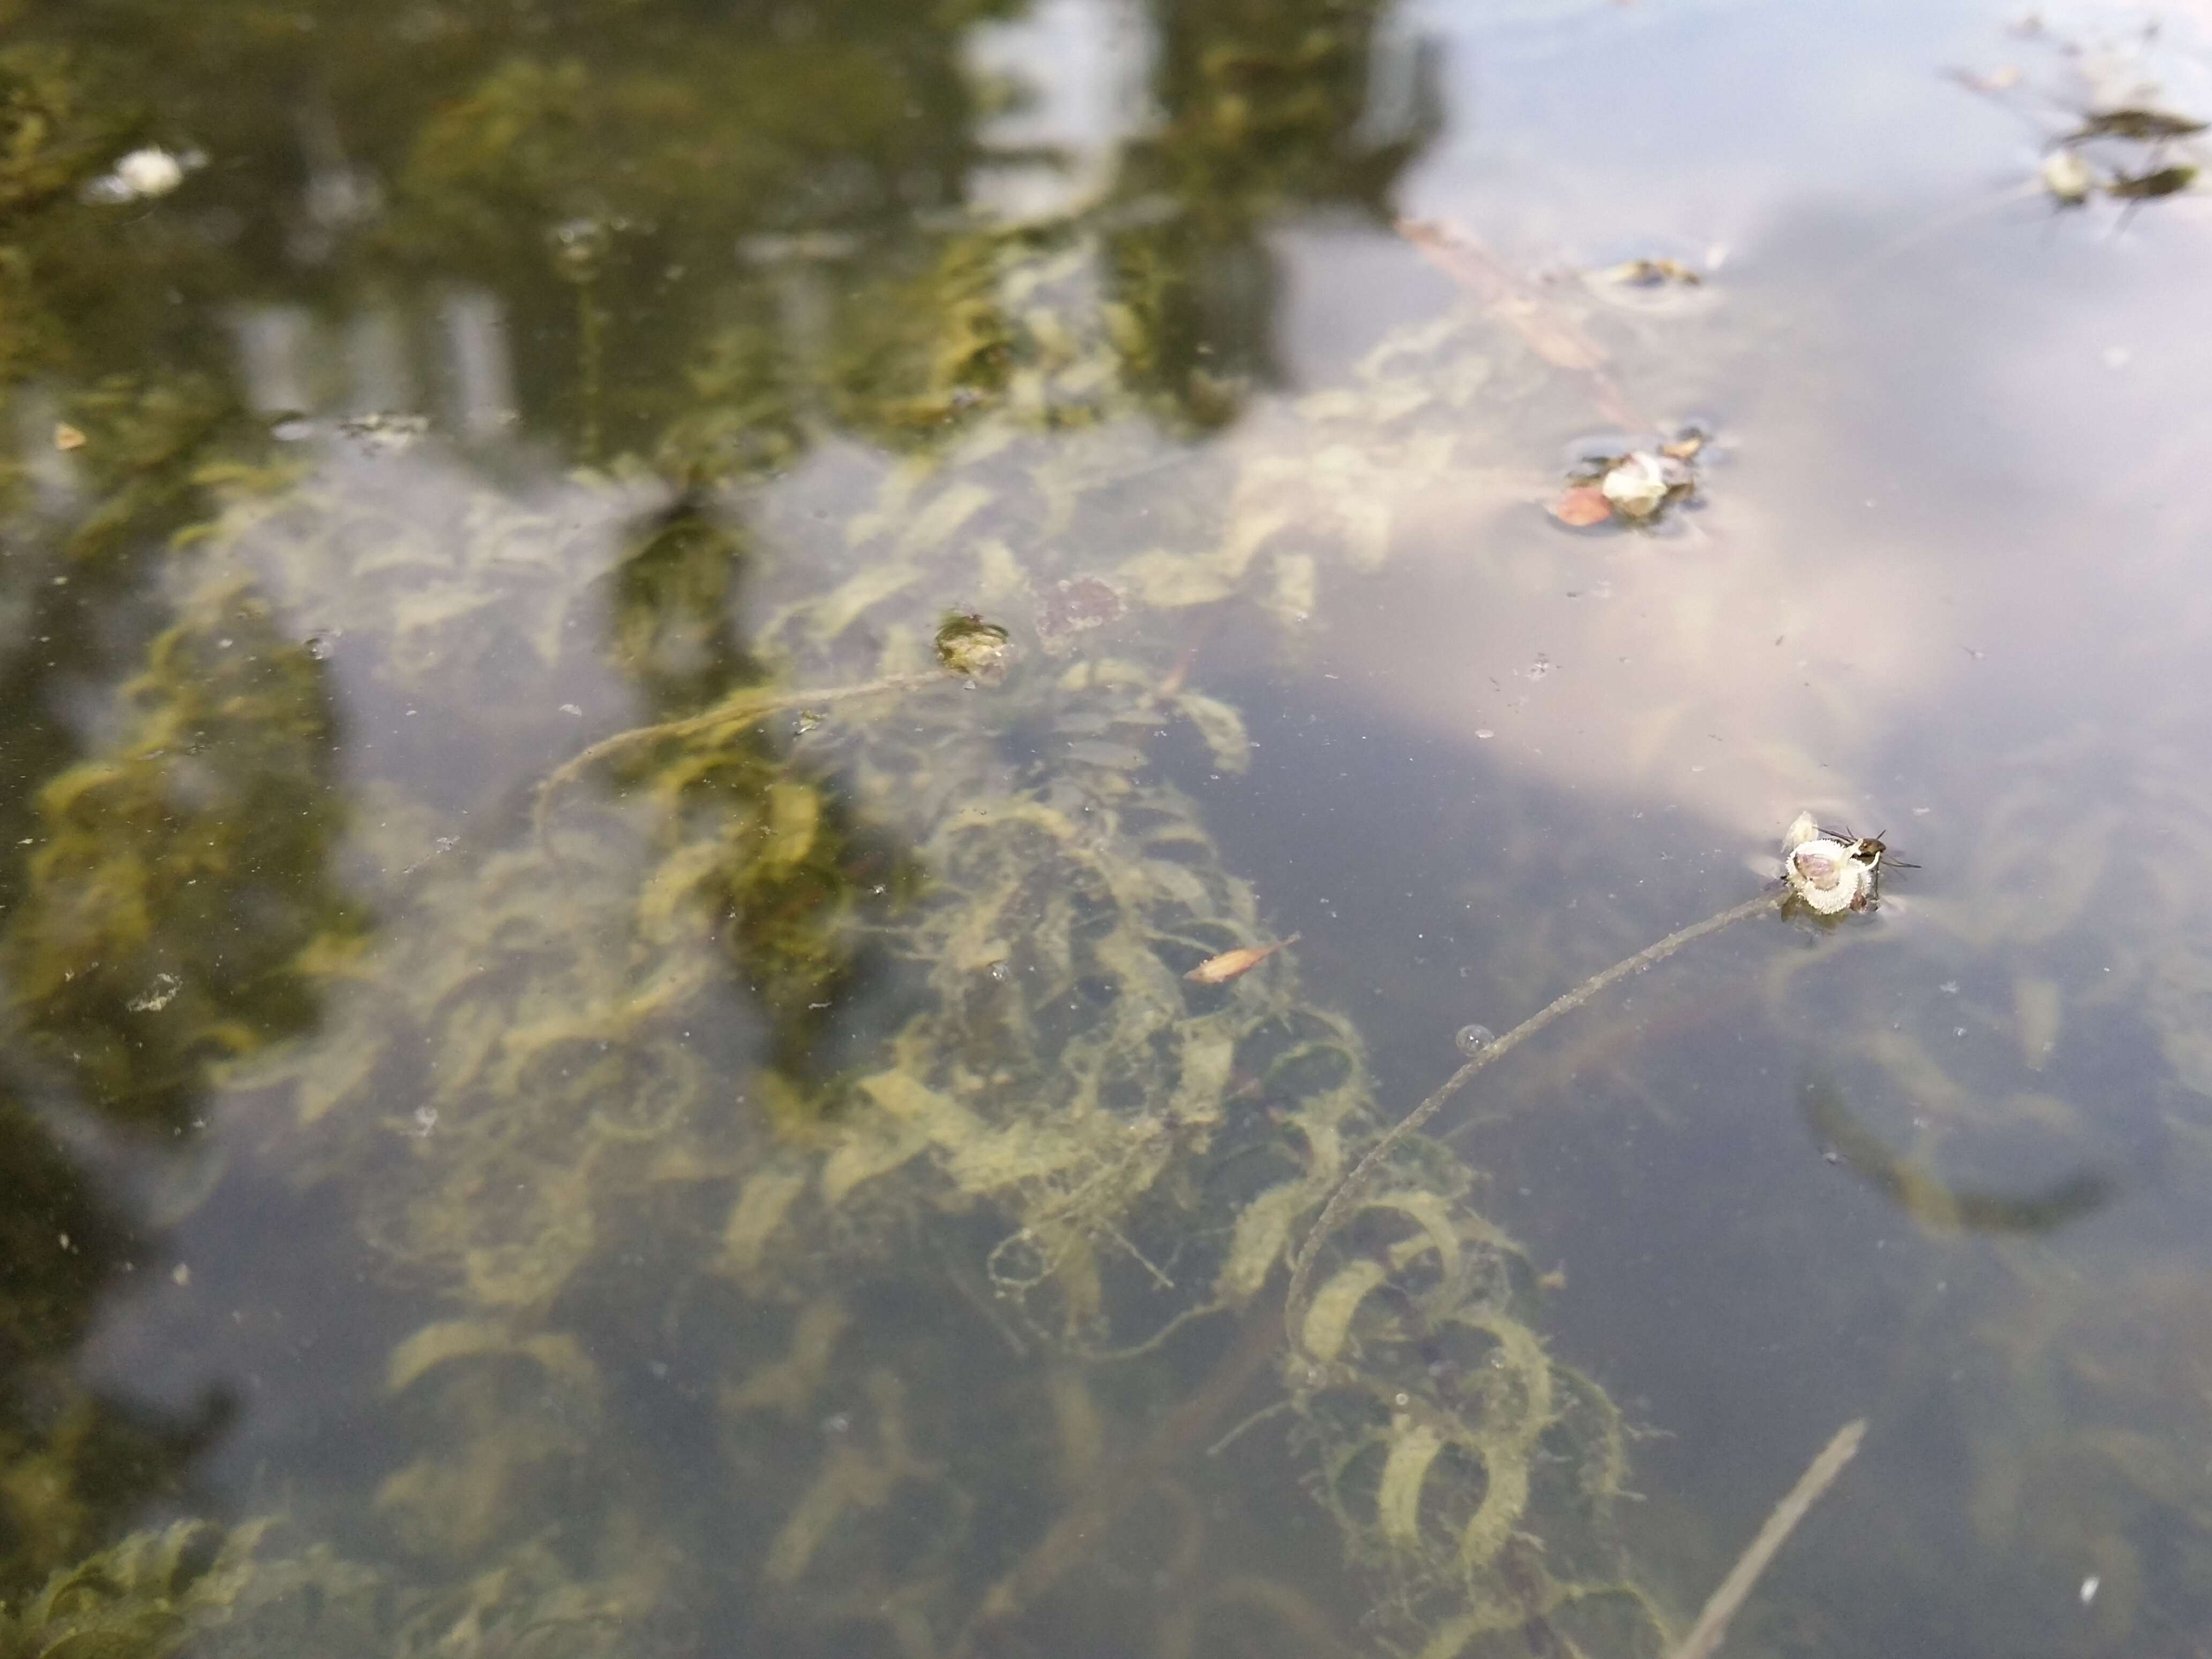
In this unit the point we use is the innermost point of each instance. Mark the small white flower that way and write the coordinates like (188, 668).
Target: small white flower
(1830, 875)
(1637, 485)
(2068, 178)
(143, 174)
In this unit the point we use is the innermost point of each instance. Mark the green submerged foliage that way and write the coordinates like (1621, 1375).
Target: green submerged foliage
(797, 1008)
(714, 919)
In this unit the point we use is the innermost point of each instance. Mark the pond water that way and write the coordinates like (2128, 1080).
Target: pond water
(747, 745)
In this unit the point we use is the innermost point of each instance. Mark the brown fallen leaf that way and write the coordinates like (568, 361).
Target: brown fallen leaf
(1219, 970)
(67, 437)
(1583, 505)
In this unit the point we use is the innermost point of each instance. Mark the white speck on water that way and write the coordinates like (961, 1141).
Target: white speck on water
(2089, 1588)
(1949, 987)
(1473, 1039)
(426, 1119)
(1484, 734)
(572, 708)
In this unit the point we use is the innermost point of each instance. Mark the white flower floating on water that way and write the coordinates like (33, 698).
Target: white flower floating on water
(143, 174)
(1831, 874)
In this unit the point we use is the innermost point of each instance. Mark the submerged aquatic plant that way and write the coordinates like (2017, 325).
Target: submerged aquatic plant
(1830, 876)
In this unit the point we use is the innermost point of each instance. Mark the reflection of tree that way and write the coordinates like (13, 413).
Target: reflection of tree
(73, 1465)
(721, 236)
(788, 874)
(1265, 106)
(178, 881)
(181, 875)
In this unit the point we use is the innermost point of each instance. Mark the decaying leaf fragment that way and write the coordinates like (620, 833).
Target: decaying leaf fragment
(1581, 505)
(2139, 125)
(1219, 970)
(2147, 186)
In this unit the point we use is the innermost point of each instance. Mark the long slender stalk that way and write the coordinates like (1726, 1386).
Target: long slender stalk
(1339, 1207)
(738, 710)
(1706, 1635)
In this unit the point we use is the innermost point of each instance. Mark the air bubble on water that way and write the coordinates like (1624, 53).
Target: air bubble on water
(1473, 1039)
(319, 648)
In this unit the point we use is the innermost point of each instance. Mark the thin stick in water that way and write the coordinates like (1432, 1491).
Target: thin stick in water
(1706, 1635)
(1337, 1209)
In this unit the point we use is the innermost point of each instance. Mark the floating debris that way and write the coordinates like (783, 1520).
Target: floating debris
(2147, 186)
(2068, 178)
(2141, 127)
(1581, 505)
(67, 437)
(975, 650)
(157, 996)
(1651, 273)
(1638, 483)
(1219, 970)
(1831, 871)
(143, 174)
(1631, 479)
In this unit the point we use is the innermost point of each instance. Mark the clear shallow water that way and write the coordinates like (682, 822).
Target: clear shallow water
(743, 1197)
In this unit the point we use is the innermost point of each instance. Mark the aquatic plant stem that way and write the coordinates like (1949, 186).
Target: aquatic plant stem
(1073, 1538)
(1707, 1634)
(1341, 1202)
(738, 710)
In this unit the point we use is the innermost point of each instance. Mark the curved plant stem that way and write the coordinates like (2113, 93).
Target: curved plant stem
(739, 709)
(1341, 1202)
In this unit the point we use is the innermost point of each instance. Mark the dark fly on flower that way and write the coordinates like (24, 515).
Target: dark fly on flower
(1872, 851)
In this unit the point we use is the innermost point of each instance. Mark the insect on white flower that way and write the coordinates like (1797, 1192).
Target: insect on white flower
(1829, 871)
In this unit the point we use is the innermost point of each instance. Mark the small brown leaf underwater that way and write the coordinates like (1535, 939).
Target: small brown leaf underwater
(1219, 970)
(1582, 507)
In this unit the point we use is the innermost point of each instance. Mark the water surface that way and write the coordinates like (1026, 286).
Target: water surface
(643, 641)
